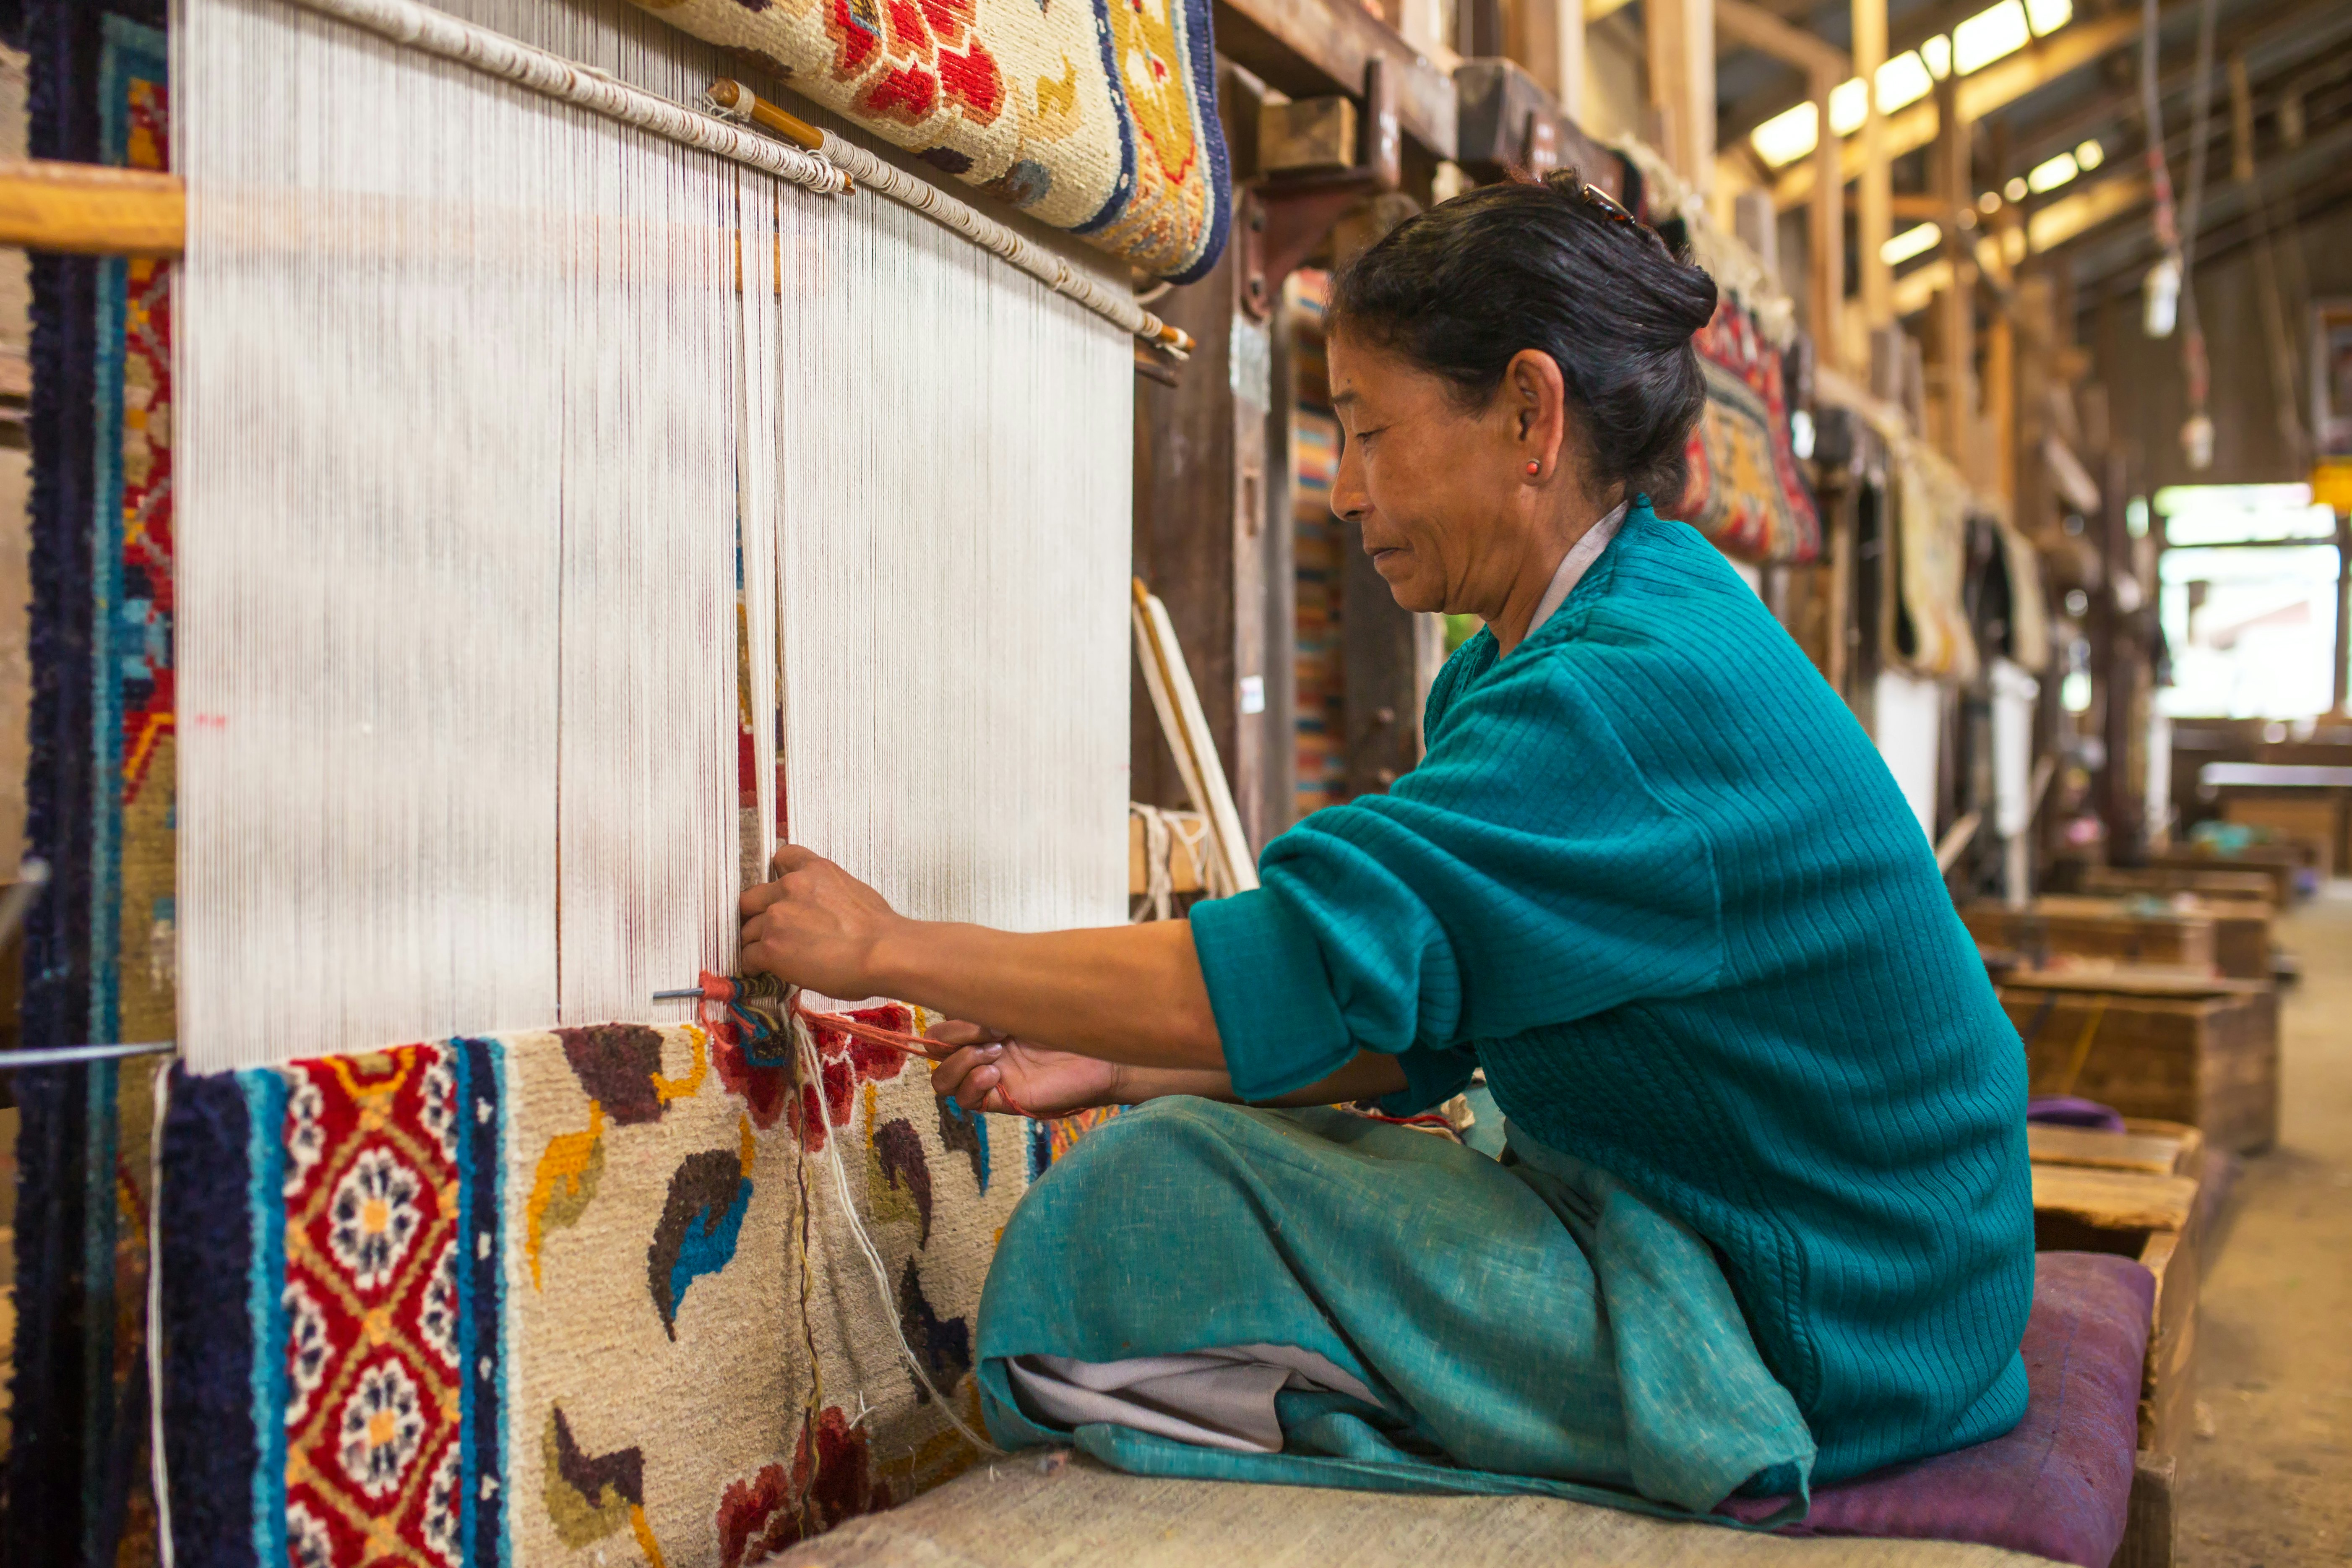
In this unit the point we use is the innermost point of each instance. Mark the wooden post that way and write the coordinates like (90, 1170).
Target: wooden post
(1679, 35)
(1827, 233)
(1956, 304)
(1875, 215)
(2032, 503)
(1567, 42)
(2001, 401)
(2115, 657)
(1200, 500)
(2343, 702)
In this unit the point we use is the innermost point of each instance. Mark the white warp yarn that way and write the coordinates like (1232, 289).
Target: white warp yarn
(479, 443)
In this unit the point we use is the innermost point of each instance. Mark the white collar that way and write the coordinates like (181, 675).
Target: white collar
(1574, 565)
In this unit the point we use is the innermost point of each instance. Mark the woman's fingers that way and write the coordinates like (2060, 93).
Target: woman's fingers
(957, 1032)
(968, 1076)
(788, 858)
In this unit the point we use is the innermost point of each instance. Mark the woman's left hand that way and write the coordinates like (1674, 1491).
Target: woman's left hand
(981, 1069)
(816, 925)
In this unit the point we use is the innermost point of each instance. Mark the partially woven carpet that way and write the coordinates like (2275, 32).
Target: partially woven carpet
(1099, 118)
(1746, 492)
(585, 1296)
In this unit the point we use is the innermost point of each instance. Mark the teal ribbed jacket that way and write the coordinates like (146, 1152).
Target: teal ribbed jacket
(1653, 877)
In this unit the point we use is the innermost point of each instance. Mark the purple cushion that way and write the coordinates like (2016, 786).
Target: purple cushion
(2058, 1485)
(2069, 1111)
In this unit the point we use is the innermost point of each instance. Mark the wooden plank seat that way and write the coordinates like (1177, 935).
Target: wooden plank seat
(2063, 1487)
(2136, 1197)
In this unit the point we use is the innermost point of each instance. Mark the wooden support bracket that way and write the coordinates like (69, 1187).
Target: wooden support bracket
(1283, 217)
(1310, 47)
(87, 209)
(1508, 121)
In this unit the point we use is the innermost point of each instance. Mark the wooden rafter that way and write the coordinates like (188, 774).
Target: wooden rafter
(1750, 26)
(1989, 91)
(2121, 102)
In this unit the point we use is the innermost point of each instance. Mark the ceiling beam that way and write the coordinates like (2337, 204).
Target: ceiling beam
(1994, 87)
(2284, 176)
(2313, 28)
(1743, 23)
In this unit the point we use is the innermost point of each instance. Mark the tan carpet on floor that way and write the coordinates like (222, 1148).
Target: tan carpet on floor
(1024, 1514)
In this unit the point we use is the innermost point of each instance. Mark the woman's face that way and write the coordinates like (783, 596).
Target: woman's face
(1447, 508)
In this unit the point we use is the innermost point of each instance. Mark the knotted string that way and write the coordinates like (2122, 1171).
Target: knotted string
(760, 1004)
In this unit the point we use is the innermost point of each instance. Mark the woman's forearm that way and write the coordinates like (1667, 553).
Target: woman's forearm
(1131, 995)
(1369, 1076)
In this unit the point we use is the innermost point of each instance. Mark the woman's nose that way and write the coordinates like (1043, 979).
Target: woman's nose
(1349, 498)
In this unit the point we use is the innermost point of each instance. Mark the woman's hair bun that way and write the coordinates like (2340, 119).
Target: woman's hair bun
(1553, 266)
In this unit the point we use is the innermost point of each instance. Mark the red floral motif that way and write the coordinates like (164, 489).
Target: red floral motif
(772, 1510)
(933, 58)
(844, 1063)
(370, 1227)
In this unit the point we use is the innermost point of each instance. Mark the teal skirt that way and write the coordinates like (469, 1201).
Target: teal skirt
(1530, 1326)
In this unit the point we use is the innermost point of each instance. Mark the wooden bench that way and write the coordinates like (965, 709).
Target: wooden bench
(2165, 1042)
(2239, 903)
(2209, 879)
(2279, 862)
(2097, 927)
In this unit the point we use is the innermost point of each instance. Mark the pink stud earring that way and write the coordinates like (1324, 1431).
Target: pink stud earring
(1534, 468)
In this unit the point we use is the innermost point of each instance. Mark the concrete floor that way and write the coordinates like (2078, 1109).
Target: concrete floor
(2269, 1480)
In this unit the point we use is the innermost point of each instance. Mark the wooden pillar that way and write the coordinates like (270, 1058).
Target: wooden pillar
(1568, 44)
(1875, 215)
(1201, 505)
(1956, 304)
(1545, 37)
(2342, 703)
(1679, 35)
(2032, 505)
(2115, 664)
(1827, 233)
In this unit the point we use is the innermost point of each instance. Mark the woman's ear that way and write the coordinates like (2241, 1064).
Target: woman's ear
(1538, 402)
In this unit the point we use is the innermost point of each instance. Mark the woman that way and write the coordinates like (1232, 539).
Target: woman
(1765, 1219)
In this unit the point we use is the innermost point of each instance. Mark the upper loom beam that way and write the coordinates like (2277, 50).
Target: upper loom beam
(88, 209)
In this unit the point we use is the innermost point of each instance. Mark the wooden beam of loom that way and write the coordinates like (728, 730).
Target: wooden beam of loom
(87, 209)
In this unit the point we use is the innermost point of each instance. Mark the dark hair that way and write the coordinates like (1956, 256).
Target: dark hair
(1464, 286)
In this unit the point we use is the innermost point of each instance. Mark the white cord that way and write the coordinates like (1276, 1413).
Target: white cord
(1159, 879)
(158, 1472)
(815, 1067)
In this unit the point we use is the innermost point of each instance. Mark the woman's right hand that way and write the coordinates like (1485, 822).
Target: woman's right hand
(981, 1069)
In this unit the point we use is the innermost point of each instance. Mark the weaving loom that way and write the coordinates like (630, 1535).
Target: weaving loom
(563, 479)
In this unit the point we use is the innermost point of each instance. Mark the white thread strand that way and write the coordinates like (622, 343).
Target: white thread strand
(474, 420)
(437, 32)
(159, 1470)
(805, 1039)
